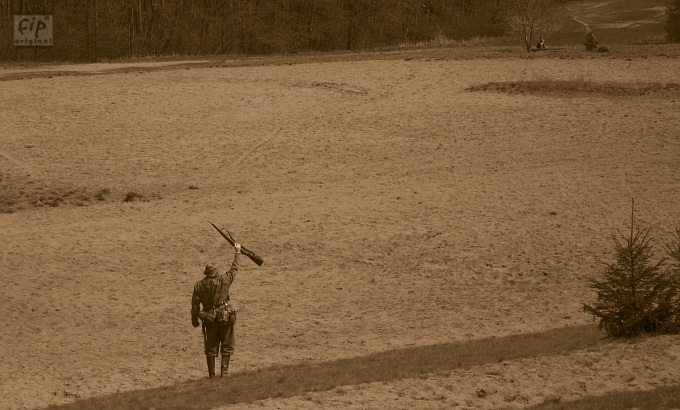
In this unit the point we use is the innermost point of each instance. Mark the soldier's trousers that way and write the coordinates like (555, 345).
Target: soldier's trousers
(219, 338)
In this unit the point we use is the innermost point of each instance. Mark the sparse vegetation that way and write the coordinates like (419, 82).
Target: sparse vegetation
(17, 194)
(287, 381)
(635, 295)
(528, 17)
(133, 196)
(659, 398)
(651, 39)
(590, 42)
(580, 87)
(101, 194)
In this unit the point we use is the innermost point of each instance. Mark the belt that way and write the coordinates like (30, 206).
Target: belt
(216, 306)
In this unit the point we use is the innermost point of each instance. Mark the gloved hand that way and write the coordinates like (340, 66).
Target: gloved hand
(194, 322)
(237, 247)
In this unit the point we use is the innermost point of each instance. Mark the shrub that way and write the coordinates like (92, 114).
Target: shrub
(636, 296)
(133, 196)
(101, 194)
(603, 49)
(590, 42)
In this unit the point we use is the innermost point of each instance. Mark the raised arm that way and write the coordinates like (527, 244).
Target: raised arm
(236, 264)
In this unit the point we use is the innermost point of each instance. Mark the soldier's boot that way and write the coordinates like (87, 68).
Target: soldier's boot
(211, 366)
(225, 365)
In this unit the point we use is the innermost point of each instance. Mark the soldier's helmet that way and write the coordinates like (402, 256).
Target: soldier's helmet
(211, 269)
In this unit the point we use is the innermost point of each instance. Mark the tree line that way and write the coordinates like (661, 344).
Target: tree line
(88, 30)
(673, 21)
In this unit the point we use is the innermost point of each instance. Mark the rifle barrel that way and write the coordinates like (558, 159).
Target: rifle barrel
(247, 252)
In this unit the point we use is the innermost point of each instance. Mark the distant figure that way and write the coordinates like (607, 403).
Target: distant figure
(541, 44)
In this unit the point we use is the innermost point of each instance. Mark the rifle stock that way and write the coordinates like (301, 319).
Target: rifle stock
(247, 252)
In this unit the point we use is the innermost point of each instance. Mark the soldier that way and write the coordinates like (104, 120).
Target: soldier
(541, 44)
(218, 315)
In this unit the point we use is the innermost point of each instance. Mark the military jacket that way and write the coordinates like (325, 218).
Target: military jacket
(212, 291)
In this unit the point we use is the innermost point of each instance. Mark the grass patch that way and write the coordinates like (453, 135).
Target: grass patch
(20, 192)
(286, 381)
(659, 398)
(133, 196)
(101, 194)
(580, 88)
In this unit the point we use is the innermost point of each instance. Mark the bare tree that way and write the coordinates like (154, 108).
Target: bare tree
(94, 29)
(529, 17)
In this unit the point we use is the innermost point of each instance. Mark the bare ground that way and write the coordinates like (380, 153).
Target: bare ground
(392, 207)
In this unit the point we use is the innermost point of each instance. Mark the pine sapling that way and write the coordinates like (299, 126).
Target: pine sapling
(673, 251)
(635, 296)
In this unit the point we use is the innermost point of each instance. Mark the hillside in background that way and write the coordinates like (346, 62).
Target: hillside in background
(612, 22)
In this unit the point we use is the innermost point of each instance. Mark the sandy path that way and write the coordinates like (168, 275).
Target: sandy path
(392, 207)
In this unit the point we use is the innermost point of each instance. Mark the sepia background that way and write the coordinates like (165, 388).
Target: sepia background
(393, 207)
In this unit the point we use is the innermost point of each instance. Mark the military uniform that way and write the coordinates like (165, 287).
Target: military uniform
(217, 314)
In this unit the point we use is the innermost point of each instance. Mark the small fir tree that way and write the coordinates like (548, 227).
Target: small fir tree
(673, 251)
(635, 296)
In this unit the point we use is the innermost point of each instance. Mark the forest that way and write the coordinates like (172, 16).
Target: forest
(93, 30)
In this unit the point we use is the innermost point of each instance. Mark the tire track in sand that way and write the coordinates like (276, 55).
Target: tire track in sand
(23, 165)
(259, 144)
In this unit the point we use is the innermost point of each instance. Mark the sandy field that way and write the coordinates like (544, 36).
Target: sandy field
(392, 207)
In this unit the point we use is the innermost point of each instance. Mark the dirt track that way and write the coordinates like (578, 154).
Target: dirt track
(393, 208)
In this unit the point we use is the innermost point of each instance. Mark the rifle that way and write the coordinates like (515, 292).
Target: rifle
(250, 254)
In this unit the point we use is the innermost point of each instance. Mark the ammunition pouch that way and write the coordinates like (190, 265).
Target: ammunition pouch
(222, 314)
(225, 314)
